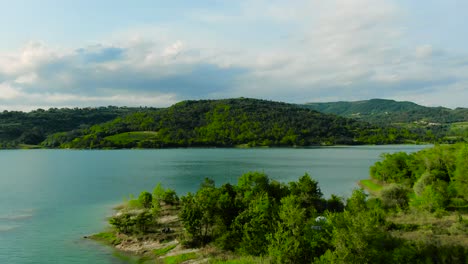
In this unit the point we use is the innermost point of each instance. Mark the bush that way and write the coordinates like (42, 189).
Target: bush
(395, 196)
(170, 197)
(145, 199)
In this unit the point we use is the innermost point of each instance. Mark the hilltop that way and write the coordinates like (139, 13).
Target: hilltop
(381, 111)
(444, 124)
(227, 123)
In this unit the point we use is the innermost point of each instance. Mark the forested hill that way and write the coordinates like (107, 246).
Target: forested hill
(229, 122)
(383, 111)
(33, 127)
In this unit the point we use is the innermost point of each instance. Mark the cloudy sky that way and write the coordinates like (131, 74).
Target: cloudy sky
(68, 53)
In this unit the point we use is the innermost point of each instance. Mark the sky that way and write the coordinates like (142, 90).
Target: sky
(68, 53)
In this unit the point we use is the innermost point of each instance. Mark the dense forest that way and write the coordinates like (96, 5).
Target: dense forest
(33, 127)
(227, 123)
(383, 110)
(444, 123)
(418, 216)
(435, 179)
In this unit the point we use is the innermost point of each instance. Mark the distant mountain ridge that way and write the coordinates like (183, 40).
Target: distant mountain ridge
(385, 111)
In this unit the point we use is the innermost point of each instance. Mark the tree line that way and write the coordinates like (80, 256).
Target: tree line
(34, 127)
(435, 178)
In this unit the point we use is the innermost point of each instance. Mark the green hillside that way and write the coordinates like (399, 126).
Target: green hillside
(389, 111)
(366, 107)
(227, 123)
(439, 122)
(32, 128)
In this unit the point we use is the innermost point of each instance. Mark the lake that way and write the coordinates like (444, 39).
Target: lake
(50, 199)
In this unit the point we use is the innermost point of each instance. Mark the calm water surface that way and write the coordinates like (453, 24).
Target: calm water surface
(50, 199)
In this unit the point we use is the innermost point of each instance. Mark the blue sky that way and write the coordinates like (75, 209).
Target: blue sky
(65, 53)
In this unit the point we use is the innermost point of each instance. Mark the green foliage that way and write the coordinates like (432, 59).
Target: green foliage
(335, 204)
(258, 215)
(358, 237)
(395, 168)
(158, 193)
(170, 197)
(231, 122)
(395, 196)
(164, 250)
(357, 201)
(292, 223)
(241, 260)
(433, 198)
(145, 199)
(134, 221)
(228, 123)
(431, 124)
(295, 239)
(252, 184)
(134, 204)
(383, 111)
(256, 223)
(460, 178)
(180, 258)
(107, 237)
(308, 194)
(41, 125)
(123, 223)
(438, 177)
(198, 212)
(131, 139)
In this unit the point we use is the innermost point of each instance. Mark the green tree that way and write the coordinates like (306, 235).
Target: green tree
(357, 201)
(255, 224)
(433, 198)
(170, 197)
(158, 193)
(308, 194)
(395, 196)
(124, 223)
(144, 220)
(198, 212)
(460, 179)
(357, 234)
(145, 199)
(296, 239)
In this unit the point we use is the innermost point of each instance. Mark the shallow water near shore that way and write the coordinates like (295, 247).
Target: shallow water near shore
(50, 199)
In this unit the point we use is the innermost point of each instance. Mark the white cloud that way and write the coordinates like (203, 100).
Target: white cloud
(343, 49)
(8, 92)
(424, 51)
(29, 78)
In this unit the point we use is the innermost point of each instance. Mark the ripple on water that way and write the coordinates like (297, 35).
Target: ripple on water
(22, 214)
(7, 228)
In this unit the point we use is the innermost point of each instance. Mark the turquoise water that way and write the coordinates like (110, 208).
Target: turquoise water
(50, 199)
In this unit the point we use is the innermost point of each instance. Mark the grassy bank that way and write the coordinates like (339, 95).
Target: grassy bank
(371, 185)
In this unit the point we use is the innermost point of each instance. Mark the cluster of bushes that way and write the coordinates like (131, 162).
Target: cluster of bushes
(435, 179)
(140, 215)
(293, 223)
(260, 217)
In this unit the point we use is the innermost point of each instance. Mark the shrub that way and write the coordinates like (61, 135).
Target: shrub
(395, 196)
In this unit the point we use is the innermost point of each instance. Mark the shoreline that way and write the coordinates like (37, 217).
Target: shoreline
(154, 246)
(37, 147)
